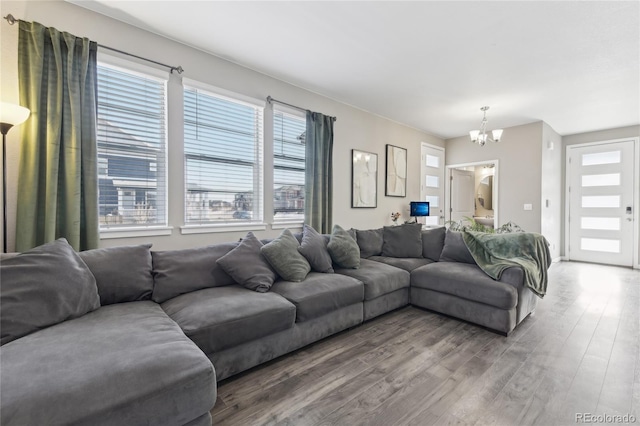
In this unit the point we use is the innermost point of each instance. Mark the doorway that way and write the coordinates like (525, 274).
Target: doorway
(602, 188)
(472, 192)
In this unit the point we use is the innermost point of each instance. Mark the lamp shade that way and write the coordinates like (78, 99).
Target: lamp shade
(497, 134)
(473, 134)
(13, 114)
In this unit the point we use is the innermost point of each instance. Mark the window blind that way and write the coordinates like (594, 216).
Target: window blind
(131, 149)
(223, 159)
(289, 166)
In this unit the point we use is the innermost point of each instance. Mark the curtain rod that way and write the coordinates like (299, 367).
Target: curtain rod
(12, 20)
(271, 100)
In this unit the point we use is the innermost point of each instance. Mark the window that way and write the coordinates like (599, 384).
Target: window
(223, 158)
(288, 166)
(131, 148)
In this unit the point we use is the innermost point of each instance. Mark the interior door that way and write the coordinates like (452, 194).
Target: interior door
(432, 186)
(462, 194)
(601, 200)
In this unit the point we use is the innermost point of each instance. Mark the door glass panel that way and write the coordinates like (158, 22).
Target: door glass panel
(433, 181)
(611, 157)
(433, 161)
(431, 220)
(598, 201)
(612, 179)
(600, 244)
(600, 223)
(433, 200)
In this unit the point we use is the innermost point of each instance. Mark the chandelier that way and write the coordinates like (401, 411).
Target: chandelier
(480, 136)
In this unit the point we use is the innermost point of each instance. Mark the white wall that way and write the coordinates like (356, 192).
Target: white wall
(354, 128)
(519, 156)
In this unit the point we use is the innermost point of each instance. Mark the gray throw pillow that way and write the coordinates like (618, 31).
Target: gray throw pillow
(42, 287)
(343, 248)
(314, 248)
(123, 274)
(247, 266)
(176, 272)
(433, 242)
(282, 253)
(370, 242)
(455, 250)
(402, 241)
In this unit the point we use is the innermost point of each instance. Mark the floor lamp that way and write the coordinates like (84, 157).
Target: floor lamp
(10, 115)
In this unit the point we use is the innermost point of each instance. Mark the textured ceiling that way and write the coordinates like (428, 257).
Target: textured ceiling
(429, 64)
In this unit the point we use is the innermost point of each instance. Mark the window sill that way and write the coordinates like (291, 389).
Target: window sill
(106, 234)
(224, 227)
(290, 225)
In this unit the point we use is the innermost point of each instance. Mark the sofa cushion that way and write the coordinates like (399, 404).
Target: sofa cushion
(314, 248)
(122, 364)
(370, 242)
(402, 241)
(320, 294)
(42, 287)
(379, 279)
(343, 248)
(283, 255)
(465, 281)
(176, 272)
(455, 250)
(123, 274)
(223, 317)
(433, 243)
(247, 266)
(407, 263)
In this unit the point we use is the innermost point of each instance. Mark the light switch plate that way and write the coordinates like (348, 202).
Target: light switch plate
(528, 206)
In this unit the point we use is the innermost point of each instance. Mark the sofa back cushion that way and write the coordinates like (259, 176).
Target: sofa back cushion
(370, 242)
(433, 243)
(176, 272)
(402, 241)
(43, 287)
(455, 250)
(123, 274)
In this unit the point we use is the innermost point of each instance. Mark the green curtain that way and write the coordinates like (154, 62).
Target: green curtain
(319, 172)
(58, 177)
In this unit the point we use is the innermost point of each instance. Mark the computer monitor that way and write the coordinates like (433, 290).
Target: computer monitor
(419, 208)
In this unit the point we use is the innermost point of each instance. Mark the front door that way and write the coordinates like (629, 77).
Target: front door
(601, 200)
(432, 186)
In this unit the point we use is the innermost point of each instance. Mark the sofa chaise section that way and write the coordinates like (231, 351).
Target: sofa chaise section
(464, 291)
(126, 363)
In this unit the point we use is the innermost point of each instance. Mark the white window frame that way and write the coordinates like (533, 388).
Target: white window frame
(145, 71)
(282, 224)
(214, 227)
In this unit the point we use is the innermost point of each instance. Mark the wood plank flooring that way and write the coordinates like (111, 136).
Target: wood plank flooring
(579, 353)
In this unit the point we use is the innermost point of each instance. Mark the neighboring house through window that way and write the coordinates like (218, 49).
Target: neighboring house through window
(288, 165)
(223, 143)
(131, 148)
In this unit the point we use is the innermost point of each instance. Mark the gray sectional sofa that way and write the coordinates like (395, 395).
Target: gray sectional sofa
(136, 336)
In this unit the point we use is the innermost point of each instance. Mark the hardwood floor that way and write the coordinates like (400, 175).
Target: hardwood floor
(579, 353)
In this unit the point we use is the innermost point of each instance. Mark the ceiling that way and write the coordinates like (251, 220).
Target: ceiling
(428, 64)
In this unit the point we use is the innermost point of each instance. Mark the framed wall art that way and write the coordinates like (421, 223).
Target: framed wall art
(364, 179)
(396, 172)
